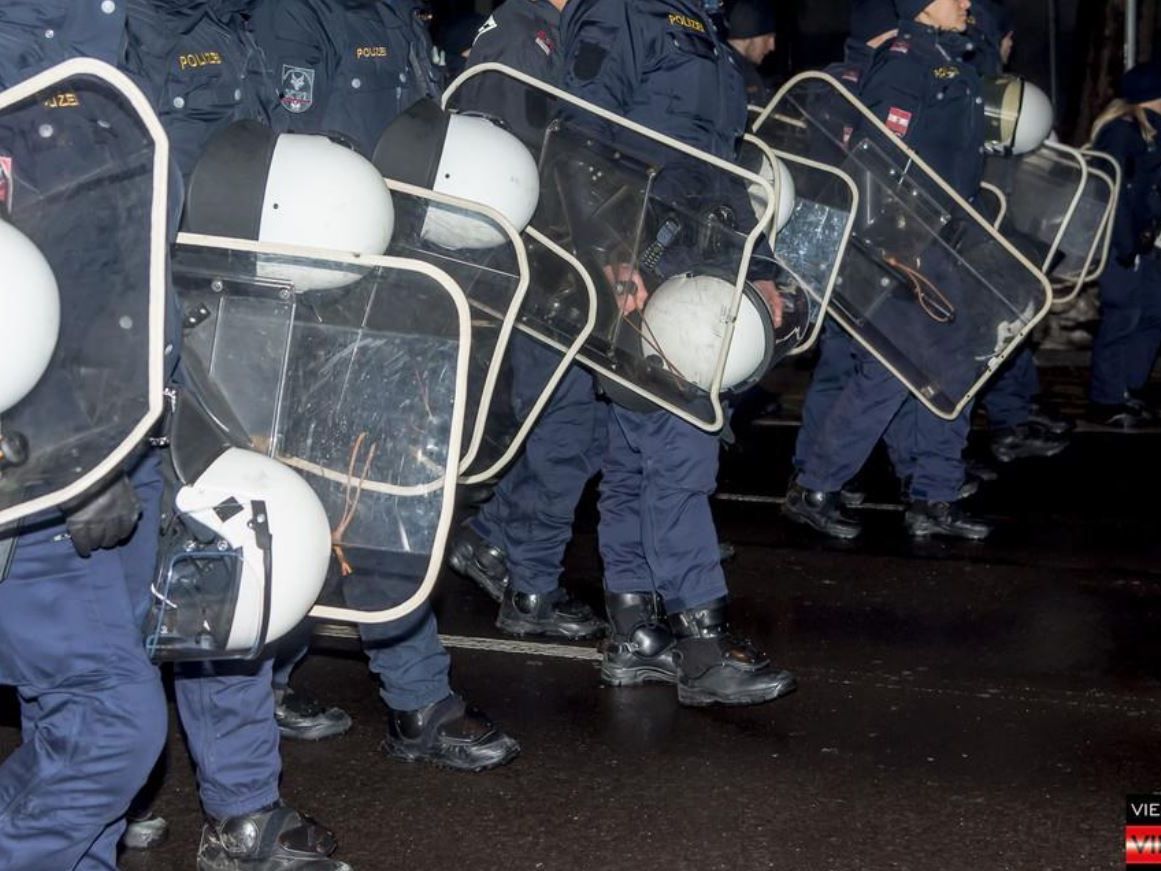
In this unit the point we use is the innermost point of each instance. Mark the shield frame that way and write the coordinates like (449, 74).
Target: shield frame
(1001, 199)
(1097, 255)
(970, 210)
(445, 483)
(824, 303)
(770, 190)
(158, 247)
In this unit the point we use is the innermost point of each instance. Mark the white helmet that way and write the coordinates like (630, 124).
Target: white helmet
(1018, 115)
(29, 315)
(464, 156)
(252, 183)
(684, 323)
(784, 188)
(247, 562)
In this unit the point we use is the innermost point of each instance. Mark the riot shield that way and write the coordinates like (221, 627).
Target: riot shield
(927, 285)
(811, 244)
(360, 387)
(992, 204)
(1107, 173)
(636, 209)
(1048, 217)
(512, 319)
(1084, 238)
(83, 187)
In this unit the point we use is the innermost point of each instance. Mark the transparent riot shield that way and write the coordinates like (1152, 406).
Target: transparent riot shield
(83, 187)
(811, 243)
(926, 285)
(1044, 189)
(513, 320)
(636, 209)
(359, 386)
(1109, 171)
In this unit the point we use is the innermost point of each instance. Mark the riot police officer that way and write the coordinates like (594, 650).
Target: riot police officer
(204, 71)
(514, 546)
(74, 585)
(663, 64)
(927, 95)
(347, 68)
(751, 29)
(1129, 333)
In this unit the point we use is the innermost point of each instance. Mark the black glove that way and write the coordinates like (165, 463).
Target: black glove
(103, 517)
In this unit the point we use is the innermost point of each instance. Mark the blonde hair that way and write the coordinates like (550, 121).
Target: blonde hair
(1118, 109)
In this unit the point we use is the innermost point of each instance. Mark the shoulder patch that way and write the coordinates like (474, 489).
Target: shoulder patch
(544, 42)
(297, 88)
(6, 185)
(490, 24)
(851, 74)
(901, 46)
(898, 121)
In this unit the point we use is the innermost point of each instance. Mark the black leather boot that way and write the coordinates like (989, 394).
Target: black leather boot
(924, 519)
(714, 667)
(484, 563)
(272, 839)
(1026, 440)
(302, 717)
(144, 830)
(449, 734)
(820, 511)
(550, 615)
(641, 647)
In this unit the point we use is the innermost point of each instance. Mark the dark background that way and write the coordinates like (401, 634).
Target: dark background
(1088, 46)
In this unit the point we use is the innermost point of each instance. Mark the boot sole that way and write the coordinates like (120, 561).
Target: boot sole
(635, 677)
(692, 698)
(401, 754)
(315, 733)
(929, 532)
(1012, 456)
(525, 629)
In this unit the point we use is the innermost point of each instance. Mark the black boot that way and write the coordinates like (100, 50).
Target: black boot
(716, 668)
(1026, 440)
(819, 510)
(144, 830)
(302, 717)
(943, 518)
(641, 647)
(1127, 417)
(551, 615)
(449, 734)
(277, 838)
(1051, 420)
(484, 563)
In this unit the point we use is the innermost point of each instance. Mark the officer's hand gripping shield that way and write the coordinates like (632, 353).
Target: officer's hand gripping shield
(522, 330)
(636, 209)
(1057, 209)
(926, 285)
(84, 178)
(360, 387)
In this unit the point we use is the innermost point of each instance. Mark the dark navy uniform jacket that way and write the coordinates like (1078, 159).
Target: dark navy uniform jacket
(36, 34)
(525, 35)
(1139, 207)
(346, 67)
(928, 96)
(660, 63)
(202, 66)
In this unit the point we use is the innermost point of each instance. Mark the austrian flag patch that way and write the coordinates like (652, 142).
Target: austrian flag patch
(898, 121)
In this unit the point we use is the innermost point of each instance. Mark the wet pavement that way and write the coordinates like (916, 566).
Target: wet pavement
(961, 706)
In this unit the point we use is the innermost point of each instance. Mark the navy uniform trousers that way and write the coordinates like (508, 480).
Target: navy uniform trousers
(93, 711)
(530, 515)
(1129, 334)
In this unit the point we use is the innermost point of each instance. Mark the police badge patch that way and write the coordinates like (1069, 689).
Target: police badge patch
(6, 185)
(297, 88)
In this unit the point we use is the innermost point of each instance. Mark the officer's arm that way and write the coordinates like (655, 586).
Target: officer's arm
(300, 59)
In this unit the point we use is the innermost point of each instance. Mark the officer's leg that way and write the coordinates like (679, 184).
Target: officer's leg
(92, 704)
(1142, 352)
(301, 716)
(1010, 404)
(427, 721)
(678, 474)
(859, 417)
(938, 479)
(1120, 316)
(641, 646)
(836, 364)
